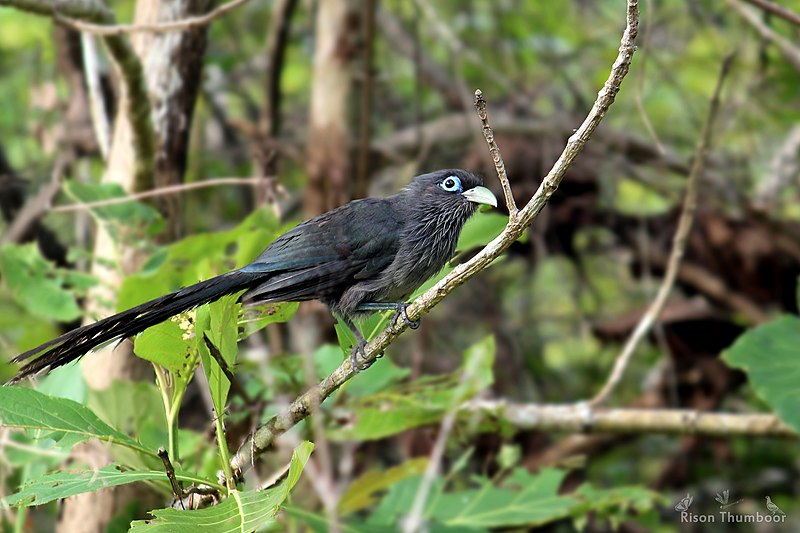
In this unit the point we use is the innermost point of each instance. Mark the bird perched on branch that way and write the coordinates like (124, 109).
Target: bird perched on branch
(368, 255)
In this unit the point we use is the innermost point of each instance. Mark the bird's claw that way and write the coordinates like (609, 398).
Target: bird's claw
(403, 312)
(359, 349)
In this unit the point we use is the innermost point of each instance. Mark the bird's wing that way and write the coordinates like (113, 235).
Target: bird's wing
(322, 257)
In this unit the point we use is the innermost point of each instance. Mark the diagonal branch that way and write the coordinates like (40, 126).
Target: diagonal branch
(263, 438)
(789, 50)
(678, 244)
(777, 9)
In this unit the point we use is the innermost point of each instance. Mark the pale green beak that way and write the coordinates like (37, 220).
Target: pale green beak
(480, 195)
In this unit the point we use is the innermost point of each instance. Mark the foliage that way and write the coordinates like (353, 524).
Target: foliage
(768, 354)
(241, 511)
(542, 325)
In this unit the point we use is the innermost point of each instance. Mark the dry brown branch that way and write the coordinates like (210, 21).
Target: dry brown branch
(263, 438)
(584, 418)
(160, 27)
(777, 9)
(680, 239)
(494, 151)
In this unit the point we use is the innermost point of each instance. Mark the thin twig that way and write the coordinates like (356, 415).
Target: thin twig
(494, 151)
(413, 521)
(639, 94)
(321, 468)
(161, 191)
(777, 9)
(678, 244)
(263, 438)
(158, 27)
(177, 490)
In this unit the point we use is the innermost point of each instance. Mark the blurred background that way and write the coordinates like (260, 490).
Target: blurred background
(289, 108)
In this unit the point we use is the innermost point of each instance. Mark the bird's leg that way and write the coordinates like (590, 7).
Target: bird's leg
(400, 309)
(359, 346)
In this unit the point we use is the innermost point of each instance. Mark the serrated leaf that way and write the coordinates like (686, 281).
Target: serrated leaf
(522, 500)
(65, 421)
(241, 511)
(67, 483)
(770, 355)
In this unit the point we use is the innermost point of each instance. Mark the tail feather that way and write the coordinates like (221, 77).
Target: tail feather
(76, 343)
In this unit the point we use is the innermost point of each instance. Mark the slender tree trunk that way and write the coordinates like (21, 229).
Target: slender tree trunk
(328, 151)
(173, 63)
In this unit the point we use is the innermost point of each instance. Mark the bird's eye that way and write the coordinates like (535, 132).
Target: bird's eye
(450, 184)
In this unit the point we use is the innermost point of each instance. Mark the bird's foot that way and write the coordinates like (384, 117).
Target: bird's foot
(402, 310)
(359, 351)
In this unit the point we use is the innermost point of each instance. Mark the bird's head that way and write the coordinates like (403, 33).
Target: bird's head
(452, 191)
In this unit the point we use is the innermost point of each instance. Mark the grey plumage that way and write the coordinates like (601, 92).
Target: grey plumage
(367, 255)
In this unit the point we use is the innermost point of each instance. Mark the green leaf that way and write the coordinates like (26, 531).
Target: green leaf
(37, 285)
(177, 265)
(217, 320)
(241, 511)
(146, 420)
(67, 483)
(522, 499)
(321, 523)
(480, 230)
(369, 327)
(769, 354)
(170, 344)
(615, 505)
(363, 492)
(256, 318)
(62, 420)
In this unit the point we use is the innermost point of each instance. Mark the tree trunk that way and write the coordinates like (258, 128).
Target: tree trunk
(328, 151)
(173, 63)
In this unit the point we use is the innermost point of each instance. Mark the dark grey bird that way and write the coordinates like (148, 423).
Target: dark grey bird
(368, 255)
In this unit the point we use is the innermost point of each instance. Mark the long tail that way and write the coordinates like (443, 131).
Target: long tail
(76, 343)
